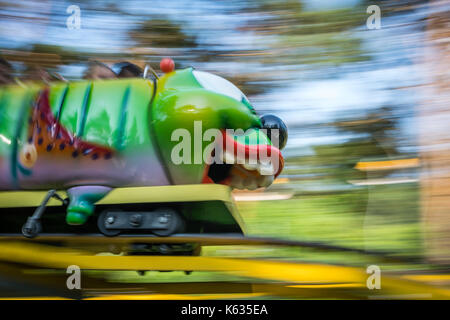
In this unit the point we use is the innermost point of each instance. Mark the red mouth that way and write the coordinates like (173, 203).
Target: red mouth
(244, 166)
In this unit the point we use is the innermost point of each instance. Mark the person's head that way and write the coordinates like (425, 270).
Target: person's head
(99, 70)
(127, 70)
(6, 71)
(36, 73)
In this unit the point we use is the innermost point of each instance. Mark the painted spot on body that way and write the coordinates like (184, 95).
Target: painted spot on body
(55, 139)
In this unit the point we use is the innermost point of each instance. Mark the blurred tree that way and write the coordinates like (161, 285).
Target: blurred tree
(307, 37)
(161, 33)
(373, 136)
(292, 40)
(378, 130)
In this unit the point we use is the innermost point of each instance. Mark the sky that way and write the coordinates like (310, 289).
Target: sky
(304, 101)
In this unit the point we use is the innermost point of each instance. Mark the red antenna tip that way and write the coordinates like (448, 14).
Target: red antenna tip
(167, 65)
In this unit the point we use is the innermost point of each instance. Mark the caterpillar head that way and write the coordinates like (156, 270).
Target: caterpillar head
(208, 131)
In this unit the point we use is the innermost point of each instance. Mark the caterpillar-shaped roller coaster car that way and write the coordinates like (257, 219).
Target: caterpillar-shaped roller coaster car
(89, 138)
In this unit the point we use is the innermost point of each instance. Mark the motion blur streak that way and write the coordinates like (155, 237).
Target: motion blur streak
(367, 164)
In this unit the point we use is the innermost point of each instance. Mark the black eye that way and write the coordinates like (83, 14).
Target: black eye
(272, 122)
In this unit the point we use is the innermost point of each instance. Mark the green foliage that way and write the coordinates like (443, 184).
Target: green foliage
(356, 219)
(308, 37)
(162, 33)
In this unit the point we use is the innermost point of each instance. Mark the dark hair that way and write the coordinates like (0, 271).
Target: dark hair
(6, 71)
(5, 63)
(127, 70)
(93, 70)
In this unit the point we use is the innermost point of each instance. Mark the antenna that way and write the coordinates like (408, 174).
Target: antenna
(146, 69)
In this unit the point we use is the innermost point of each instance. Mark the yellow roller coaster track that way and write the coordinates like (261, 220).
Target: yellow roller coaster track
(39, 264)
(270, 278)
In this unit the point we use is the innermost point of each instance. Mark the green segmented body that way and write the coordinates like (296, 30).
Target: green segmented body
(110, 113)
(86, 121)
(90, 136)
(90, 118)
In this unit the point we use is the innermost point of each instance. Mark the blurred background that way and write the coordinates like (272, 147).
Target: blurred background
(368, 157)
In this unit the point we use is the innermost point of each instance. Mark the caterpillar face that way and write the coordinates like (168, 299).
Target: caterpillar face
(196, 102)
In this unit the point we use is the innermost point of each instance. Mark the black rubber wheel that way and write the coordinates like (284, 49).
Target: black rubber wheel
(31, 228)
(176, 224)
(101, 224)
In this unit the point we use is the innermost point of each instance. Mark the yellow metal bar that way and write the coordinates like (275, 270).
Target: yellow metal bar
(14, 199)
(328, 286)
(179, 193)
(52, 257)
(96, 240)
(387, 164)
(398, 288)
(35, 298)
(429, 277)
(179, 296)
(296, 276)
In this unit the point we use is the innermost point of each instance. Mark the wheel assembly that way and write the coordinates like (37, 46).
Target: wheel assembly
(162, 222)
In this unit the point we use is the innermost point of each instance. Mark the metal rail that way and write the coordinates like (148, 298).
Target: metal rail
(279, 278)
(205, 240)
